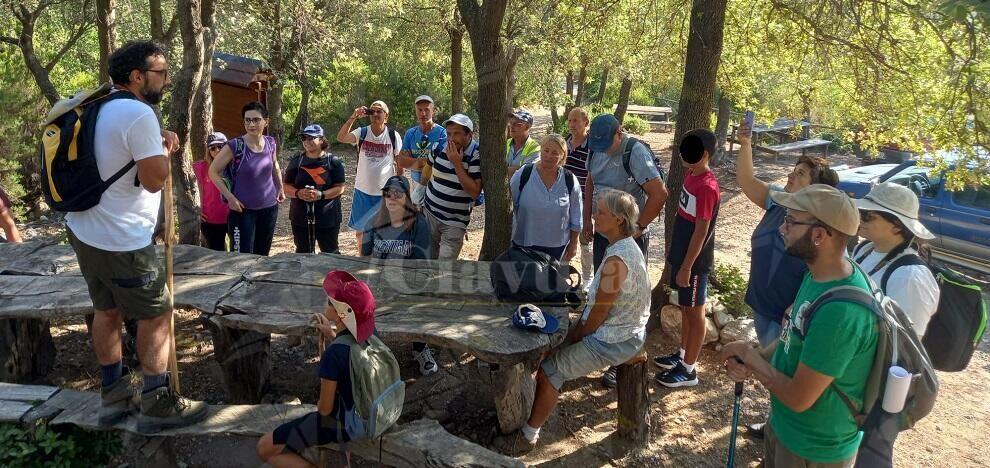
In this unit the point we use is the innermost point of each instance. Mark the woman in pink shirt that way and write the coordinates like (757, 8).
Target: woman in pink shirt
(213, 221)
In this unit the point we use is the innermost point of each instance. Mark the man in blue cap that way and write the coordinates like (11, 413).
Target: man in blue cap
(622, 163)
(520, 149)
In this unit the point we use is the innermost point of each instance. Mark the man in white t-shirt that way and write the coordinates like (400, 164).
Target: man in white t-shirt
(113, 244)
(378, 145)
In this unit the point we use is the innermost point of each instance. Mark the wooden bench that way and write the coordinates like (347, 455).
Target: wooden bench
(419, 443)
(659, 117)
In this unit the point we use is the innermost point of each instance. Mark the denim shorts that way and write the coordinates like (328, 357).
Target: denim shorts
(586, 356)
(363, 208)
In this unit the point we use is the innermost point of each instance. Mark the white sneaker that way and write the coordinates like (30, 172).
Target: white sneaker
(427, 365)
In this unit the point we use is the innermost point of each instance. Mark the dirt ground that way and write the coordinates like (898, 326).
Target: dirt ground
(690, 426)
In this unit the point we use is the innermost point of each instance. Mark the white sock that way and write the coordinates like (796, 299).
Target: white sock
(681, 352)
(530, 433)
(689, 367)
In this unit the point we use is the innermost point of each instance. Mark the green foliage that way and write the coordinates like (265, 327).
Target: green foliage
(635, 125)
(47, 447)
(730, 284)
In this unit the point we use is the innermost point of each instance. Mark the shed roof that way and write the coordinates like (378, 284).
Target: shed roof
(239, 71)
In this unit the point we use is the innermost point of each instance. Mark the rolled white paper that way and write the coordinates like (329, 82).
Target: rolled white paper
(898, 384)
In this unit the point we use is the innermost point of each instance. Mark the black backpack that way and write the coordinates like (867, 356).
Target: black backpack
(897, 344)
(527, 172)
(523, 275)
(961, 313)
(70, 176)
(627, 153)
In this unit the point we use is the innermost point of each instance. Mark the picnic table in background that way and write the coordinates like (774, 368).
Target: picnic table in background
(782, 136)
(659, 117)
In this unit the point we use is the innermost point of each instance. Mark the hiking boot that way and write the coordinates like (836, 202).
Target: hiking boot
(513, 445)
(609, 378)
(427, 365)
(678, 376)
(117, 401)
(668, 361)
(162, 409)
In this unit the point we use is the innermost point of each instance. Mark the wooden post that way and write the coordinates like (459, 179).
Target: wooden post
(27, 350)
(245, 359)
(633, 426)
(514, 393)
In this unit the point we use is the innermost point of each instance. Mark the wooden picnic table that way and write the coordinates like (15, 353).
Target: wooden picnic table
(782, 131)
(659, 117)
(246, 298)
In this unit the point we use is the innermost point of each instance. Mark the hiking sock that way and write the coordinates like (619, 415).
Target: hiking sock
(153, 382)
(689, 367)
(530, 433)
(111, 373)
(681, 352)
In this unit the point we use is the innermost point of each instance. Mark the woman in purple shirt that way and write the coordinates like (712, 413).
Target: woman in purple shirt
(247, 174)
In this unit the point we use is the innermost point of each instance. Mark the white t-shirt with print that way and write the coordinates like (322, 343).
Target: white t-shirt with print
(125, 218)
(376, 160)
(913, 287)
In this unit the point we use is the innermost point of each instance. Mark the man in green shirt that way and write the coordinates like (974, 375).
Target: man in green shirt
(809, 425)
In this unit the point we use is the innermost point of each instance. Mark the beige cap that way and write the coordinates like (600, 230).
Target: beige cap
(899, 201)
(828, 204)
(380, 104)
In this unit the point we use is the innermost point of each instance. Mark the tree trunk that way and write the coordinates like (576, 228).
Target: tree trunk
(106, 26)
(26, 44)
(302, 117)
(160, 32)
(484, 25)
(623, 103)
(456, 69)
(702, 57)
(184, 90)
(202, 111)
(569, 85)
(582, 78)
(510, 78)
(722, 127)
(601, 87)
(279, 62)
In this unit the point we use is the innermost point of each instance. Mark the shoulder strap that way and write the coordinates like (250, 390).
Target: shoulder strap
(904, 260)
(569, 181)
(864, 244)
(527, 172)
(391, 137)
(364, 136)
(627, 155)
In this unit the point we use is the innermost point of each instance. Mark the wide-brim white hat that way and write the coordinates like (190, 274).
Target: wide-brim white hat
(899, 201)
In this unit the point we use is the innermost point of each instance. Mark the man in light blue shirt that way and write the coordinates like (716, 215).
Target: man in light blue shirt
(418, 143)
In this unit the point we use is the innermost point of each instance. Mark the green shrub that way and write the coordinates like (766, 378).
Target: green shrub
(730, 284)
(48, 447)
(635, 125)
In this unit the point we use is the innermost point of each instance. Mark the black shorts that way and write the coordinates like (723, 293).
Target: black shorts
(308, 431)
(695, 293)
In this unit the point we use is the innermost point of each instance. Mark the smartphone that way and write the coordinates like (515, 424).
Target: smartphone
(748, 123)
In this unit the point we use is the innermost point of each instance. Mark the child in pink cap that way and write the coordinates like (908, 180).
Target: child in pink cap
(351, 310)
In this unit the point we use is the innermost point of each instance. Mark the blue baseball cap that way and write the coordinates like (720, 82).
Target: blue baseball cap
(603, 130)
(523, 116)
(313, 130)
(530, 317)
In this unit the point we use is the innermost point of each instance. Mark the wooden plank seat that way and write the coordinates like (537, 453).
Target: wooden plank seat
(423, 442)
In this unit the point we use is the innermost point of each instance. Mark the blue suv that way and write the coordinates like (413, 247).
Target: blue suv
(960, 219)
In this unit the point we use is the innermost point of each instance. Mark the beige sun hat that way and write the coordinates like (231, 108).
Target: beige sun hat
(899, 201)
(826, 203)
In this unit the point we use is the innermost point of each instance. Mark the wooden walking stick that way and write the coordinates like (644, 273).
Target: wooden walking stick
(173, 363)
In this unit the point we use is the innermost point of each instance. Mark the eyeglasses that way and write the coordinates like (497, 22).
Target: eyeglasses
(164, 72)
(790, 222)
(393, 194)
(215, 147)
(253, 120)
(866, 216)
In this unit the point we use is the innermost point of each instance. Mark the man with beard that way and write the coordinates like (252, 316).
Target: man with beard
(810, 377)
(113, 244)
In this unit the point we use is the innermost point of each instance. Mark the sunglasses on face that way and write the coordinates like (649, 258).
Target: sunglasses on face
(867, 216)
(253, 120)
(393, 194)
(375, 111)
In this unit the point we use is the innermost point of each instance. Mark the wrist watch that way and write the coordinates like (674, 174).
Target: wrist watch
(323, 196)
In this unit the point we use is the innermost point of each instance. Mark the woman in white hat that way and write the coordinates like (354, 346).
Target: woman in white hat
(889, 223)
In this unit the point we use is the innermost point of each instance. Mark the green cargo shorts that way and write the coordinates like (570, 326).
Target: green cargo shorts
(133, 282)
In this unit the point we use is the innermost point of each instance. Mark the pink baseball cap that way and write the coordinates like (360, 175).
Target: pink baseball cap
(353, 301)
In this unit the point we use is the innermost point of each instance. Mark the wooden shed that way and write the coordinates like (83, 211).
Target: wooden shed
(236, 81)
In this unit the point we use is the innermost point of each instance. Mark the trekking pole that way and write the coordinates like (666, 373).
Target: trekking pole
(311, 222)
(173, 364)
(731, 462)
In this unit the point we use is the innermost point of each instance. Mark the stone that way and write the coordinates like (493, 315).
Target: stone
(721, 315)
(740, 329)
(711, 331)
(670, 321)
